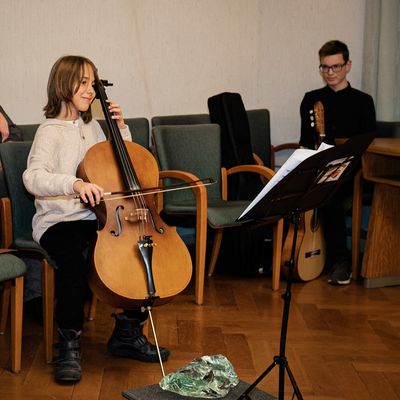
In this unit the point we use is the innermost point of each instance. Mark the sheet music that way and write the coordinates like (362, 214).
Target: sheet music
(297, 157)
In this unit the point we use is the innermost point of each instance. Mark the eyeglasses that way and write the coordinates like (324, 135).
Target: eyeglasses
(335, 68)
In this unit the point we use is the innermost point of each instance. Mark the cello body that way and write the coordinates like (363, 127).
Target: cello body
(136, 256)
(118, 276)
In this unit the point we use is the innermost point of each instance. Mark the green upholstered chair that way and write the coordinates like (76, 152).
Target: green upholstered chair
(190, 152)
(182, 119)
(259, 123)
(12, 271)
(16, 212)
(28, 131)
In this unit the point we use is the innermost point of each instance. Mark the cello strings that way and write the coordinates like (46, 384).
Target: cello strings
(139, 202)
(142, 210)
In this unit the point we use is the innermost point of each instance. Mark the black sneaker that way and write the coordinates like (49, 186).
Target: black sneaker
(340, 274)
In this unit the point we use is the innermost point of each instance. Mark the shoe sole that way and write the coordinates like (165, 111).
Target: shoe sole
(136, 356)
(339, 283)
(68, 379)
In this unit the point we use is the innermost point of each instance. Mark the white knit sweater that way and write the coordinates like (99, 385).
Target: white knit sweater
(58, 148)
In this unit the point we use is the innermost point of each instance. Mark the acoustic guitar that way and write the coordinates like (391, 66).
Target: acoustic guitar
(310, 247)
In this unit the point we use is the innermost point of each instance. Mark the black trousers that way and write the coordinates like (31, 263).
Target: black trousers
(67, 243)
(334, 224)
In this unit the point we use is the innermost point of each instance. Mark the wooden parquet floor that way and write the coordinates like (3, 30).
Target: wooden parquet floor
(342, 343)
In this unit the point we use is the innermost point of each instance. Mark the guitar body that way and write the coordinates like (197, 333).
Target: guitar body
(311, 257)
(310, 248)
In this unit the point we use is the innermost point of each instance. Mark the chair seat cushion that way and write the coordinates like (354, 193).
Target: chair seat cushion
(29, 246)
(11, 267)
(220, 213)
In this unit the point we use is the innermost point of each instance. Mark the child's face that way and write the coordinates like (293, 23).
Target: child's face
(85, 94)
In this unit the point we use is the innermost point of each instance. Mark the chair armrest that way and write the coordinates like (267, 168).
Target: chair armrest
(284, 146)
(261, 170)
(280, 147)
(257, 159)
(198, 187)
(6, 222)
(3, 251)
(200, 193)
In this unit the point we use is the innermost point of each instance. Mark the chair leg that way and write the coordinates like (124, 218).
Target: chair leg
(215, 250)
(48, 309)
(277, 254)
(356, 223)
(17, 293)
(5, 302)
(201, 244)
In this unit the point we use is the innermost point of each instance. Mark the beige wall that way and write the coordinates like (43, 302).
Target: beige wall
(169, 56)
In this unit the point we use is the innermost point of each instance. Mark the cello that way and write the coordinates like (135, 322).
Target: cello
(138, 260)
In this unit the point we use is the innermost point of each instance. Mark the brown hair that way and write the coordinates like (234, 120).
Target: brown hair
(64, 80)
(334, 47)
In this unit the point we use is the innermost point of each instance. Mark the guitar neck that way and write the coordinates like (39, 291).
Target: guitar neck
(319, 122)
(321, 138)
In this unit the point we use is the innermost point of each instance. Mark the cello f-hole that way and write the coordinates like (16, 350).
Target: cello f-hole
(118, 221)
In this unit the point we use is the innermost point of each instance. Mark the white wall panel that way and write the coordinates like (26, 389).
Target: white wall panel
(169, 56)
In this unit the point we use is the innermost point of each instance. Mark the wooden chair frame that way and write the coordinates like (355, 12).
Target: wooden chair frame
(13, 288)
(47, 276)
(200, 193)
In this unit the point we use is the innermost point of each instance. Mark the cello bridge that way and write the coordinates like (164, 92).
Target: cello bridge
(139, 215)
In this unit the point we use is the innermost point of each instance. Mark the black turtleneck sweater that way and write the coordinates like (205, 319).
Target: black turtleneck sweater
(348, 112)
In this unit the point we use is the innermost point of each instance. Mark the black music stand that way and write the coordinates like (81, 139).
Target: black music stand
(310, 185)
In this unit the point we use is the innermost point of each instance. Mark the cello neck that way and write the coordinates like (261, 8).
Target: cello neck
(114, 136)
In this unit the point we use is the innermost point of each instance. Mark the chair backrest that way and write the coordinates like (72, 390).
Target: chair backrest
(14, 160)
(139, 128)
(28, 131)
(184, 119)
(259, 122)
(388, 129)
(190, 148)
(260, 134)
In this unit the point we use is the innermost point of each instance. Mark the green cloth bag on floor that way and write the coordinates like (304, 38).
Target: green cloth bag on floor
(208, 377)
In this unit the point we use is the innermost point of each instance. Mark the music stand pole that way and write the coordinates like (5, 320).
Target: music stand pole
(281, 359)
